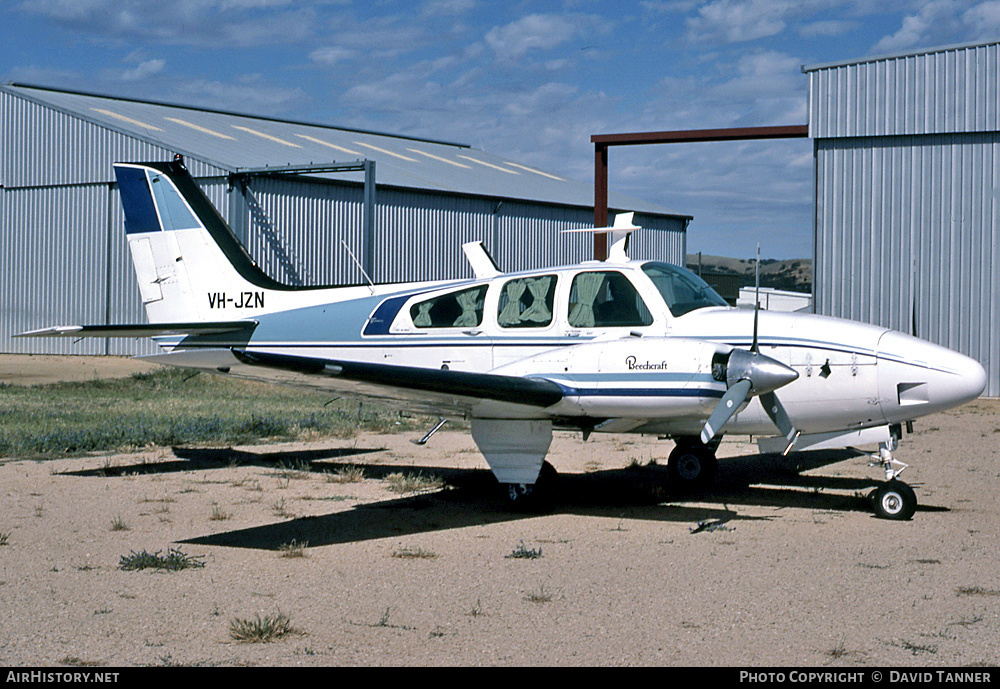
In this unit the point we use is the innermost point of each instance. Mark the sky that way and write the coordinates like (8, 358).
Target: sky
(531, 81)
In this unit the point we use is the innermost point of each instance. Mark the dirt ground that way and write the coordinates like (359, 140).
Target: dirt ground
(782, 564)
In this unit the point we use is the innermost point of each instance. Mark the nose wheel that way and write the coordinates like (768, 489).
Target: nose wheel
(893, 499)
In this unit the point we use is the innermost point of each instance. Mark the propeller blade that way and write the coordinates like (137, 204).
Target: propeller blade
(776, 412)
(736, 395)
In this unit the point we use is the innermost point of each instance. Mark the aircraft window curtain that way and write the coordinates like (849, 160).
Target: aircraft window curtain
(587, 286)
(540, 311)
(423, 317)
(454, 310)
(471, 315)
(527, 302)
(510, 312)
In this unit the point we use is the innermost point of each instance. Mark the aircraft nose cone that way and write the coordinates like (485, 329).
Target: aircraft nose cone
(971, 377)
(923, 374)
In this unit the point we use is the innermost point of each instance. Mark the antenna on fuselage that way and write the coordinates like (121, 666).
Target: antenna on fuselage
(371, 285)
(756, 299)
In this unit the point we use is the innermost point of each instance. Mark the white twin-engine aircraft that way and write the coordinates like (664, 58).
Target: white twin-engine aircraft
(618, 346)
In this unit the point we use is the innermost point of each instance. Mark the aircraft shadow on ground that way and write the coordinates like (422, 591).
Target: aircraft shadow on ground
(473, 498)
(193, 459)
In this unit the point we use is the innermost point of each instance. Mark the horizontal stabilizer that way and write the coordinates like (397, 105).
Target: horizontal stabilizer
(142, 330)
(623, 223)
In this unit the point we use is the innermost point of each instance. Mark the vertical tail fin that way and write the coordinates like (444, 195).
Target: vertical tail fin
(189, 264)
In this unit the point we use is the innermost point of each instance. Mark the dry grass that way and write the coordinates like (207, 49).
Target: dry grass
(412, 483)
(348, 474)
(262, 629)
(293, 549)
(413, 553)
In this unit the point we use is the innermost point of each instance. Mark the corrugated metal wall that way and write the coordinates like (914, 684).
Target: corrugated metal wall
(907, 191)
(945, 91)
(64, 259)
(297, 230)
(45, 147)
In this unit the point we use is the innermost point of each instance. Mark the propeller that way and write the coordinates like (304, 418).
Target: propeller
(749, 373)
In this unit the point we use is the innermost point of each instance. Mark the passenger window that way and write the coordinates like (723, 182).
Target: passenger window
(527, 302)
(454, 310)
(606, 299)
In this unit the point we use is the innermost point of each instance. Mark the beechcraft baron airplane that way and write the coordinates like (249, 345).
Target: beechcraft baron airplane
(618, 346)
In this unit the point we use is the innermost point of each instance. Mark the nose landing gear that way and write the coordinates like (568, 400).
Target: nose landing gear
(893, 499)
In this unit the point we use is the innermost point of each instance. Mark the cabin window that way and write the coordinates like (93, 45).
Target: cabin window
(527, 302)
(462, 309)
(606, 299)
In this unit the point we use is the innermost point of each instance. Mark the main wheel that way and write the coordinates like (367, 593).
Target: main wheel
(692, 468)
(894, 500)
(533, 497)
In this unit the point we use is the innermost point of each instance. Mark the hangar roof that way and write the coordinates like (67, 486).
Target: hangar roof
(235, 141)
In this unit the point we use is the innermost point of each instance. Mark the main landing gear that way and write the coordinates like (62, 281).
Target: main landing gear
(531, 497)
(893, 499)
(692, 466)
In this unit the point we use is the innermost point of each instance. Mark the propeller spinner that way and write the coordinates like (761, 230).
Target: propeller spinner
(749, 373)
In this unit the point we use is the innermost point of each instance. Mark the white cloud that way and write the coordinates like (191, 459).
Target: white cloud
(144, 70)
(984, 18)
(447, 7)
(831, 27)
(331, 55)
(538, 32)
(731, 21)
(249, 96)
(920, 29)
(214, 23)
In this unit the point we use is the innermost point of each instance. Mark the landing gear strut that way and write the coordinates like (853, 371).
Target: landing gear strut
(692, 466)
(893, 499)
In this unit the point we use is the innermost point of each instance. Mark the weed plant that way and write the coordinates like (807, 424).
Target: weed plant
(174, 560)
(411, 483)
(522, 552)
(261, 629)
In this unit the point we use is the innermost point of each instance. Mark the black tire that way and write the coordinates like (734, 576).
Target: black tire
(533, 497)
(692, 468)
(894, 500)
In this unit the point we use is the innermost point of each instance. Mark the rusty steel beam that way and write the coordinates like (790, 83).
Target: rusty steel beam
(695, 135)
(600, 200)
(603, 141)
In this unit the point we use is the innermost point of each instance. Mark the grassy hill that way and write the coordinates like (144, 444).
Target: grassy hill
(794, 274)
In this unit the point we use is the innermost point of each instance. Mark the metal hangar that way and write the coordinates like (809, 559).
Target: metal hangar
(314, 205)
(907, 215)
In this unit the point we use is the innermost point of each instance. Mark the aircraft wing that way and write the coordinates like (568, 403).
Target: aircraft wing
(422, 390)
(160, 329)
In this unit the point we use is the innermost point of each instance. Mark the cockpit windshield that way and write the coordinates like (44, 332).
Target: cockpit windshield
(682, 290)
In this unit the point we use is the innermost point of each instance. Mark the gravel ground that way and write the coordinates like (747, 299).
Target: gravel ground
(781, 564)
